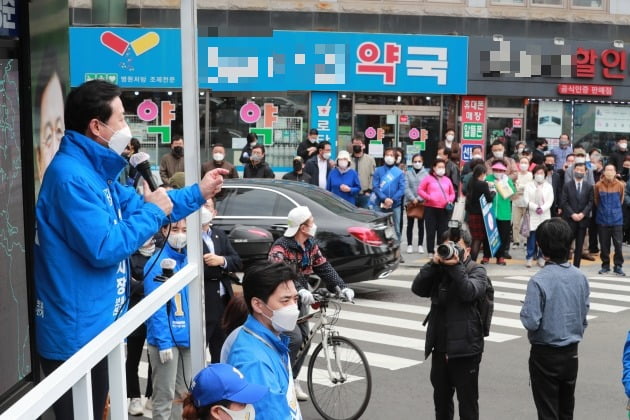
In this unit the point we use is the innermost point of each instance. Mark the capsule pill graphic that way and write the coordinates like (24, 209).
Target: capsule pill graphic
(145, 43)
(114, 42)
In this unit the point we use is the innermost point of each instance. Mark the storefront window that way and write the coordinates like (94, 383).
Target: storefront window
(509, 2)
(593, 4)
(547, 2)
(228, 127)
(600, 125)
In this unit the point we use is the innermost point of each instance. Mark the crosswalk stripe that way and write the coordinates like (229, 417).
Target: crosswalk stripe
(390, 306)
(320, 377)
(380, 360)
(603, 307)
(596, 295)
(381, 338)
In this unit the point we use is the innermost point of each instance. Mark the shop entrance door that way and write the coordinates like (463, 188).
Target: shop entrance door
(506, 124)
(414, 128)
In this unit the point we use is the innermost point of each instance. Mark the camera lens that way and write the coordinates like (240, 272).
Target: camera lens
(445, 251)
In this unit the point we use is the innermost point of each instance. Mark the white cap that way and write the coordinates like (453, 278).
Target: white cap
(296, 218)
(168, 263)
(343, 154)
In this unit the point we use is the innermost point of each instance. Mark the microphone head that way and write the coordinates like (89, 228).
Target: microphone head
(168, 264)
(139, 158)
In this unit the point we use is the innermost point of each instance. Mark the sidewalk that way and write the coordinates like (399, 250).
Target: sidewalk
(516, 266)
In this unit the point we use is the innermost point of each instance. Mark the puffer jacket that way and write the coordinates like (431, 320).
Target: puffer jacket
(608, 197)
(462, 285)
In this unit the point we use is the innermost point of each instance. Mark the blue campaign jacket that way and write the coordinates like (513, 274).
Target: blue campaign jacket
(266, 364)
(384, 188)
(625, 360)
(350, 178)
(88, 225)
(173, 322)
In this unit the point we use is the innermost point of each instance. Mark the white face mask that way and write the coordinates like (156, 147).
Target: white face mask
(326, 155)
(247, 413)
(623, 146)
(398, 159)
(343, 164)
(218, 157)
(498, 155)
(252, 143)
(389, 160)
(478, 157)
(523, 166)
(440, 171)
(177, 240)
(284, 319)
(450, 137)
(539, 178)
(520, 150)
(313, 230)
(120, 139)
(580, 160)
(499, 175)
(417, 165)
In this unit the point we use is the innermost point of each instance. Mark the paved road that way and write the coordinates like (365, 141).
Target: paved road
(386, 322)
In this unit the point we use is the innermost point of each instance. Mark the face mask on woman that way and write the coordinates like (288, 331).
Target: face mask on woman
(523, 166)
(440, 171)
(540, 178)
(417, 165)
(389, 160)
(247, 413)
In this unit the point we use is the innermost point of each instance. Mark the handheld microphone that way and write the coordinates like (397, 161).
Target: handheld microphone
(140, 161)
(168, 267)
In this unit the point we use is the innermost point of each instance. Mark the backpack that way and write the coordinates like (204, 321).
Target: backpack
(485, 305)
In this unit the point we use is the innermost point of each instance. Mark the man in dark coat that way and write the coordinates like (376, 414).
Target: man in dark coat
(220, 259)
(576, 204)
(308, 148)
(454, 285)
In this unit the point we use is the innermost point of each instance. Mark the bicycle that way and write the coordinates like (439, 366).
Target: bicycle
(339, 379)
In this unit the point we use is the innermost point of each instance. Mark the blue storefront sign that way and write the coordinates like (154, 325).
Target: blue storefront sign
(324, 116)
(490, 223)
(8, 19)
(288, 60)
(128, 57)
(333, 61)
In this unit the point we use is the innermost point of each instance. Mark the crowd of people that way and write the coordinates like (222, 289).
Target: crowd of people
(137, 240)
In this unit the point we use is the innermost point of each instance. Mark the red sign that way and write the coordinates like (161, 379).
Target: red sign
(473, 112)
(588, 90)
(517, 123)
(614, 63)
(404, 119)
(369, 53)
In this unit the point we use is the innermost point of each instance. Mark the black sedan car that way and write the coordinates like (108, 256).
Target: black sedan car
(361, 244)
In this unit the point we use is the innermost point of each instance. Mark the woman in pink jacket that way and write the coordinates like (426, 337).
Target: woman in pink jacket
(439, 195)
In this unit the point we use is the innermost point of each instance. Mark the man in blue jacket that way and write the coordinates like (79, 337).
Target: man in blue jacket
(88, 225)
(261, 348)
(388, 189)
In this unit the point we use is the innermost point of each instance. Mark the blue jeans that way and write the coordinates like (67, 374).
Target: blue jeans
(396, 218)
(532, 249)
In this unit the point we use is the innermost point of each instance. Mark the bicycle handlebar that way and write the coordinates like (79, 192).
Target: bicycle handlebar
(323, 294)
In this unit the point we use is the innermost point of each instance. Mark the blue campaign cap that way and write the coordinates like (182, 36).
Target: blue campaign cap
(221, 381)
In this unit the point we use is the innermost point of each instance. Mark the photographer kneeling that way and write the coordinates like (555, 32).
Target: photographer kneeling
(455, 333)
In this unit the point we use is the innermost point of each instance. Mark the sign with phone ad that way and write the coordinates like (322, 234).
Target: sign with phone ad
(490, 223)
(473, 112)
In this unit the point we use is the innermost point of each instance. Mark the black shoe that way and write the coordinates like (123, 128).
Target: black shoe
(618, 271)
(507, 256)
(588, 257)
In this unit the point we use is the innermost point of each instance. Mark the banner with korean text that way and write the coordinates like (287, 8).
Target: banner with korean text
(329, 61)
(473, 134)
(324, 117)
(490, 223)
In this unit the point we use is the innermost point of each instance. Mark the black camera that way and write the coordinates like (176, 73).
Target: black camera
(454, 230)
(448, 250)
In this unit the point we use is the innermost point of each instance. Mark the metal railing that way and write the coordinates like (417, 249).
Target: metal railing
(75, 372)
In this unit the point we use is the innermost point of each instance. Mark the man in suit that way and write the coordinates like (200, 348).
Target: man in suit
(576, 204)
(318, 167)
(219, 258)
(555, 179)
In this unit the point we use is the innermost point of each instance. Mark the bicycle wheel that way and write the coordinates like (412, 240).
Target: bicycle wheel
(343, 394)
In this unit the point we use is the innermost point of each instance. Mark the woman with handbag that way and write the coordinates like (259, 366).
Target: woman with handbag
(477, 186)
(538, 195)
(415, 206)
(438, 194)
(519, 205)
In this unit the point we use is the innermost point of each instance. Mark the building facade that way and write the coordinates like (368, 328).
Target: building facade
(405, 71)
